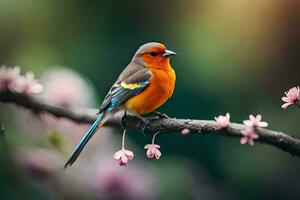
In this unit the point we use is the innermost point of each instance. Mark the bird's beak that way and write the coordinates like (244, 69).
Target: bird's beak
(168, 53)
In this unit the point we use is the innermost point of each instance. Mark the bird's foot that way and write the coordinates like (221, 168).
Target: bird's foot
(124, 119)
(143, 124)
(161, 115)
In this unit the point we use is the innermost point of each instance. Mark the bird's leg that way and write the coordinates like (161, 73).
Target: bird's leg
(145, 122)
(161, 115)
(124, 119)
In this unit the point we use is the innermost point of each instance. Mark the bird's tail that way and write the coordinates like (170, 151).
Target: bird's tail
(84, 141)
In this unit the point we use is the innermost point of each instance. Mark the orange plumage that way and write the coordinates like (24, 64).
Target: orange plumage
(160, 88)
(158, 91)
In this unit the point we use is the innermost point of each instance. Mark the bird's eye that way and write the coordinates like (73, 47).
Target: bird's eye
(153, 53)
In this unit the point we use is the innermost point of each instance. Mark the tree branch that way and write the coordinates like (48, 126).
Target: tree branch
(277, 139)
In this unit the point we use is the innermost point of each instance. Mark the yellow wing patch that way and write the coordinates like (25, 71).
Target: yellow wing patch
(131, 86)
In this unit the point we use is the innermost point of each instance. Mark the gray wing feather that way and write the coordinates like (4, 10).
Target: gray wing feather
(133, 73)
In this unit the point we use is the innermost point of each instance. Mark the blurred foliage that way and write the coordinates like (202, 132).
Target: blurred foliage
(55, 138)
(233, 56)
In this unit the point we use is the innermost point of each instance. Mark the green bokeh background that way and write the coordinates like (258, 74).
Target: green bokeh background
(233, 56)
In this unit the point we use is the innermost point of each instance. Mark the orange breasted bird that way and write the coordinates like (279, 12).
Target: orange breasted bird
(145, 84)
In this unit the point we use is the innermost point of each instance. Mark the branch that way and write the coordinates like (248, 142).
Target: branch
(277, 139)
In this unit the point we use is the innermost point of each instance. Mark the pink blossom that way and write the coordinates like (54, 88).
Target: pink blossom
(223, 121)
(153, 150)
(249, 136)
(74, 91)
(27, 85)
(255, 121)
(291, 97)
(123, 156)
(185, 131)
(8, 77)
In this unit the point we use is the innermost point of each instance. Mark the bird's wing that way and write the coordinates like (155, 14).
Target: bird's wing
(131, 82)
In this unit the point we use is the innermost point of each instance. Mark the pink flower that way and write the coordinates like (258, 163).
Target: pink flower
(255, 121)
(291, 97)
(8, 77)
(153, 150)
(249, 136)
(74, 91)
(123, 156)
(27, 85)
(185, 131)
(223, 121)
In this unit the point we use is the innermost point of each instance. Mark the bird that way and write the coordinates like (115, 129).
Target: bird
(144, 85)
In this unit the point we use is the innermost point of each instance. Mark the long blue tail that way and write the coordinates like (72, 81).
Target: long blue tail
(84, 141)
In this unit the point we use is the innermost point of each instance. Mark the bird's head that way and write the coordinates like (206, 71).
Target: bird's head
(153, 55)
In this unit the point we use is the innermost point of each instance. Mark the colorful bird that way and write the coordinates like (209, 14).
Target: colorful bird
(143, 86)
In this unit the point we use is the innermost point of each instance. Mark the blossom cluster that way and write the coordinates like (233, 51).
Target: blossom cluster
(12, 80)
(123, 156)
(249, 134)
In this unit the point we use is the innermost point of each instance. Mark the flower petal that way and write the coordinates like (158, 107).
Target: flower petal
(284, 106)
(251, 142)
(124, 159)
(157, 154)
(255, 136)
(243, 140)
(285, 99)
(252, 118)
(16, 70)
(149, 153)
(118, 154)
(185, 131)
(262, 124)
(258, 118)
(248, 123)
(29, 76)
(227, 115)
(37, 88)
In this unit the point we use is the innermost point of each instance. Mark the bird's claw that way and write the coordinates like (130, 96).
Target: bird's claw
(124, 120)
(161, 115)
(143, 124)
